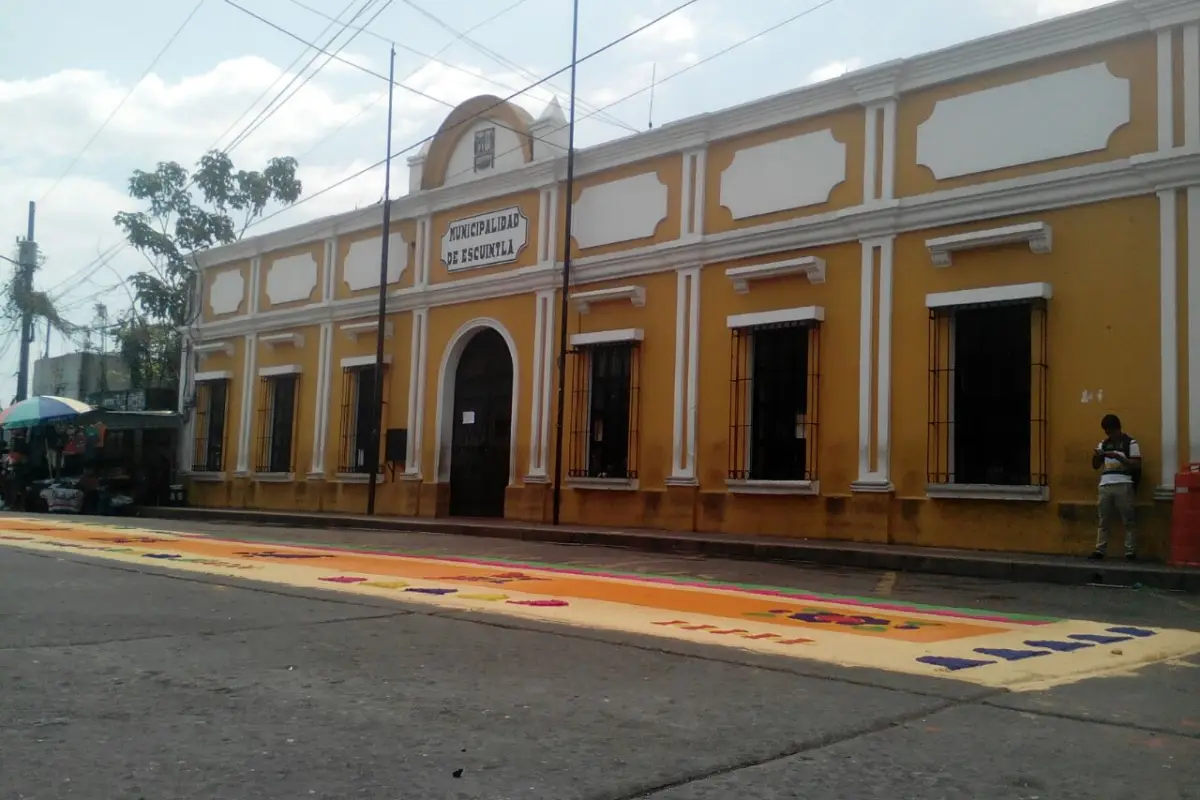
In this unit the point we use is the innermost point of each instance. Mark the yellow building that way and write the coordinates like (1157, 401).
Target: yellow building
(890, 308)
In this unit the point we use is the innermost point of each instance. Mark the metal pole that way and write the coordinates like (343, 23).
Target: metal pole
(27, 256)
(566, 277)
(377, 423)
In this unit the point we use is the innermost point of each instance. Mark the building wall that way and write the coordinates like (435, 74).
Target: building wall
(854, 201)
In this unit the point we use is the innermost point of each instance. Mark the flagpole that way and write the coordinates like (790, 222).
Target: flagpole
(377, 407)
(563, 305)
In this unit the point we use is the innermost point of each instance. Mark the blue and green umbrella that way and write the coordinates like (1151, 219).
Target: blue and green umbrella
(40, 409)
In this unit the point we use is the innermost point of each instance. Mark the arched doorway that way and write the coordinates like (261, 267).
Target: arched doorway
(481, 427)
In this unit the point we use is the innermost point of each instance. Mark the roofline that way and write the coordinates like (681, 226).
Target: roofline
(876, 84)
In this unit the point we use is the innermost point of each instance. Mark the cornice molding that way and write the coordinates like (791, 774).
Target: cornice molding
(1142, 175)
(874, 84)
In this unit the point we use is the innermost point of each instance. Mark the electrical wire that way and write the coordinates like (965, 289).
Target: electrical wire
(604, 48)
(382, 95)
(88, 271)
(418, 92)
(259, 122)
(462, 36)
(286, 71)
(125, 99)
(475, 118)
(690, 67)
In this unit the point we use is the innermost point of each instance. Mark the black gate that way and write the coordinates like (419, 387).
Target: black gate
(479, 446)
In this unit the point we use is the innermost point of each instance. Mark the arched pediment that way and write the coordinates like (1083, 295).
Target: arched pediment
(509, 138)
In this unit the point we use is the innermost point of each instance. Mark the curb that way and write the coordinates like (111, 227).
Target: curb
(963, 564)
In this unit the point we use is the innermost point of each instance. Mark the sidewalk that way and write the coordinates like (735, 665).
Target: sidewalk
(896, 558)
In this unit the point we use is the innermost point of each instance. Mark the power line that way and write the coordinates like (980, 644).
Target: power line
(105, 258)
(462, 36)
(379, 97)
(476, 117)
(286, 71)
(258, 123)
(369, 71)
(124, 100)
(702, 61)
(95, 267)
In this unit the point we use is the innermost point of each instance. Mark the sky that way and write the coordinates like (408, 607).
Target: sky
(68, 64)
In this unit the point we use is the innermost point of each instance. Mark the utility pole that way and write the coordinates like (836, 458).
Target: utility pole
(373, 446)
(563, 306)
(27, 254)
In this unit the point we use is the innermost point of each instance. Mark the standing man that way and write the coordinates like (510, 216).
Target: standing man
(1119, 459)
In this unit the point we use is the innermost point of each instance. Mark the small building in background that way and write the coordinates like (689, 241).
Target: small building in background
(80, 375)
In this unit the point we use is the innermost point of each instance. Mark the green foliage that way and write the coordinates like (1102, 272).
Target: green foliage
(176, 225)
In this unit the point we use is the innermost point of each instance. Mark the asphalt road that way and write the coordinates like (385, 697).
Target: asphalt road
(121, 681)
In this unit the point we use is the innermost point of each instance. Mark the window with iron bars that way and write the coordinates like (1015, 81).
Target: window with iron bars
(358, 417)
(773, 402)
(605, 406)
(988, 395)
(278, 396)
(212, 399)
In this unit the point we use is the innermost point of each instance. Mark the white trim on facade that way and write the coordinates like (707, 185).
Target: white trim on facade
(687, 363)
(215, 375)
(330, 274)
(255, 282)
(363, 361)
(416, 393)
(1065, 188)
(321, 418)
(583, 301)
(1168, 332)
(866, 358)
(1193, 321)
(543, 339)
(990, 294)
(273, 340)
(212, 348)
(247, 415)
(282, 369)
(357, 329)
(888, 183)
(801, 314)
(811, 488)
(445, 395)
(1191, 86)
(811, 267)
(1165, 84)
(880, 83)
(607, 337)
(983, 491)
(875, 367)
(883, 380)
(871, 155)
(1038, 235)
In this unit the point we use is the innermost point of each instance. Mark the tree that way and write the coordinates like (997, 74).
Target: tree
(177, 225)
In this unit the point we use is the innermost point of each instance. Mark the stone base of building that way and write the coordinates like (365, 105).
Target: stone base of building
(1052, 528)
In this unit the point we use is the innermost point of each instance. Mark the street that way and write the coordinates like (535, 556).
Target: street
(189, 660)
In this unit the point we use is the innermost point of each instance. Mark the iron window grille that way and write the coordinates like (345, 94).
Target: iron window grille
(605, 411)
(485, 149)
(988, 394)
(358, 411)
(212, 398)
(774, 393)
(278, 398)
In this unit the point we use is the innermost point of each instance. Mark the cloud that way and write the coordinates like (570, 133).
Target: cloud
(679, 28)
(834, 69)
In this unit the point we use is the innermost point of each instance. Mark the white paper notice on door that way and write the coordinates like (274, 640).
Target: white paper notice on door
(468, 418)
